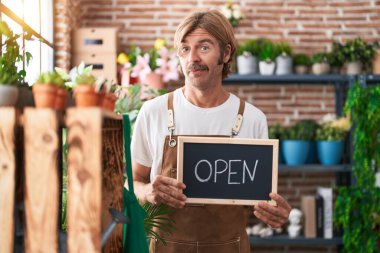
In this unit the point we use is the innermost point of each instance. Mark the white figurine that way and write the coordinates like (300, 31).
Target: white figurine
(294, 227)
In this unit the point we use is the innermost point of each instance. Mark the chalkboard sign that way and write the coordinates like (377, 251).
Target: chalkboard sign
(227, 170)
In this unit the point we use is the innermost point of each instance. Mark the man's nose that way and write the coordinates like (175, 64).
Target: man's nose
(193, 56)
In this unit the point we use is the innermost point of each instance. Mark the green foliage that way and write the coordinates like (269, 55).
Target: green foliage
(336, 57)
(301, 59)
(11, 55)
(320, 57)
(50, 78)
(358, 50)
(358, 206)
(80, 75)
(283, 48)
(326, 132)
(268, 51)
(275, 131)
(250, 46)
(157, 218)
(133, 52)
(302, 130)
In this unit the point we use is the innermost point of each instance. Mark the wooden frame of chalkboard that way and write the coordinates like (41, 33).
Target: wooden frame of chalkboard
(199, 161)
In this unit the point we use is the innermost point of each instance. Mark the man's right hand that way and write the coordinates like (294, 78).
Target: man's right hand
(166, 190)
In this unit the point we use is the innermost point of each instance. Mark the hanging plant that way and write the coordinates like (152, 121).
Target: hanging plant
(358, 206)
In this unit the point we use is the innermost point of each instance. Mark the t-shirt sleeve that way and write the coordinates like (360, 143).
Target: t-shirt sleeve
(140, 150)
(263, 128)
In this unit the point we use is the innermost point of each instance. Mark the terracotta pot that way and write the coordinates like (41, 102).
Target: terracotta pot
(60, 102)
(154, 81)
(301, 69)
(126, 78)
(108, 101)
(354, 68)
(44, 95)
(86, 96)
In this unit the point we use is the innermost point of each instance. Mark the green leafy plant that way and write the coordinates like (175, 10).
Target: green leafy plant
(336, 57)
(302, 130)
(358, 50)
(268, 51)
(357, 206)
(284, 49)
(275, 131)
(301, 59)
(157, 219)
(80, 75)
(50, 78)
(250, 46)
(329, 133)
(12, 55)
(320, 57)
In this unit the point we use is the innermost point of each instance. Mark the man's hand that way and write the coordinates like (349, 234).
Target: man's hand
(166, 190)
(274, 216)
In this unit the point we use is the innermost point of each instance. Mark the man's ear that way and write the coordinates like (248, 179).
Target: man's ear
(227, 53)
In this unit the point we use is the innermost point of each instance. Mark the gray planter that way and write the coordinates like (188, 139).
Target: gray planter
(8, 95)
(267, 68)
(354, 68)
(247, 64)
(284, 65)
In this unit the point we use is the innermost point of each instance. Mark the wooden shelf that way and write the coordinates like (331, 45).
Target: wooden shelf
(286, 240)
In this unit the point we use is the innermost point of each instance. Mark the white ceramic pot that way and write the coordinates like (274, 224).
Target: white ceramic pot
(354, 68)
(247, 64)
(267, 68)
(284, 65)
(8, 95)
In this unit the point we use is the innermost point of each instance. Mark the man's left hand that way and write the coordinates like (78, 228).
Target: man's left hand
(274, 216)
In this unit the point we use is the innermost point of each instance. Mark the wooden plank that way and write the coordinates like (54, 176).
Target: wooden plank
(84, 179)
(7, 178)
(41, 180)
(112, 190)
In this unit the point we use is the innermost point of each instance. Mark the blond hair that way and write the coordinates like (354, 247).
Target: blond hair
(215, 24)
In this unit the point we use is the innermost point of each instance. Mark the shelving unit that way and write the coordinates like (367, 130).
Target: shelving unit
(343, 171)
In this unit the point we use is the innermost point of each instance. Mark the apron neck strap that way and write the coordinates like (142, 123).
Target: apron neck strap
(235, 129)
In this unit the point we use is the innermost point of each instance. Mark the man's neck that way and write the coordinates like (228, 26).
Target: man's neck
(211, 97)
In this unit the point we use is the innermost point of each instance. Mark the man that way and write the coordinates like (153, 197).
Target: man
(206, 45)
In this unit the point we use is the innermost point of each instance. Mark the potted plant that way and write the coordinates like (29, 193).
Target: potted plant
(46, 91)
(357, 54)
(336, 58)
(275, 131)
(126, 62)
(109, 98)
(247, 57)
(284, 62)
(11, 56)
(296, 143)
(330, 141)
(301, 63)
(232, 12)
(320, 64)
(267, 56)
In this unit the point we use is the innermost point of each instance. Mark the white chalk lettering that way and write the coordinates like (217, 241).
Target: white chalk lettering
(230, 172)
(196, 171)
(216, 168)
(251, 176)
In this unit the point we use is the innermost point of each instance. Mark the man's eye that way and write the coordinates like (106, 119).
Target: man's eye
(184, 50)
(204, 48)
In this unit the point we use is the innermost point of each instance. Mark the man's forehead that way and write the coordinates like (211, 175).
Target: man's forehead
(199, 34)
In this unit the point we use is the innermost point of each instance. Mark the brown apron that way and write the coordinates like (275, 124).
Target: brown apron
(201, 228)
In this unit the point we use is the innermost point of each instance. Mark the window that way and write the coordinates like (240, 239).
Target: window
(38, 14)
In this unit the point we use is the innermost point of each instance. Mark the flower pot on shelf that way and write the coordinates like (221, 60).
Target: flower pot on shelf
(267, 68)
(8, 95)
(284, 65)
(60, 102)
(330, 152)
(44, 95)
(301, 69)
(108, 101)
(126, 78)
(247, 64)
(155, 81)
(295, 151)
(320, 68)
(354, 68)
(86, 96)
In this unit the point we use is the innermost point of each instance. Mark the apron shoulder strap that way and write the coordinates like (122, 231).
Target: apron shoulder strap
(239, 119)
(235, 129)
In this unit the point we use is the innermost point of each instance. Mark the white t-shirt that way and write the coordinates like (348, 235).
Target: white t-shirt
(152, 125)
